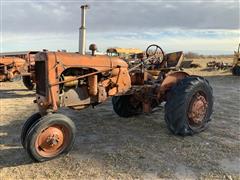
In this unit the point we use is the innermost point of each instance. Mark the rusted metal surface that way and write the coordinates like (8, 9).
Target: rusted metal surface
(170, 80)
(198, 109)
(77, 81)
(27, 55)
(174, 59)
(76, 97)
(17, 54)
(155, 50)
(92, 83)
(70, 81)
(137, 78)
(93, 48)
(13, 64)
(72, 78)
(88, 70)
(100, 77)
(160, 61)
(52, 140)
(10, 67)
(147, 95)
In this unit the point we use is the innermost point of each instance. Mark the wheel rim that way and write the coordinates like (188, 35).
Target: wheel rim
(197, 109)
(52, 140)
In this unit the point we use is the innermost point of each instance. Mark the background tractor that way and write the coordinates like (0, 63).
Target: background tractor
(10, 68)
(79, 81)
(236, 62)
(123, 52)
(14, 65)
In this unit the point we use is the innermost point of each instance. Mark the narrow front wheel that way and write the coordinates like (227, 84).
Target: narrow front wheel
(53, 135)
(28, 82)
(33, 119)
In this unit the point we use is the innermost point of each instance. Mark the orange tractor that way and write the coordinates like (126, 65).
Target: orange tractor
(14, 65)
(10, 68)
(79, 81)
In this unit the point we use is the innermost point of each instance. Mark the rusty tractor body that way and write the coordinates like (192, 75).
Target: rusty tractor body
(10, 68)
(14, 65)
(79, 81)
(236, 62)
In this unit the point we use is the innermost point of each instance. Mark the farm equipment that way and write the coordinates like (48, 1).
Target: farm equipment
(218, 65)
(14, 65)
(236, 62)
(123, 52)
(10, 68)
(79, 81)
(130, 55)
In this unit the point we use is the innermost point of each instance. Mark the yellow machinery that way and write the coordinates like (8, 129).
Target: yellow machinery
(123, 52)
(236, 62)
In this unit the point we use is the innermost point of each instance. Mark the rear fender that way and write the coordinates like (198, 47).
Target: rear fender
(170, 80)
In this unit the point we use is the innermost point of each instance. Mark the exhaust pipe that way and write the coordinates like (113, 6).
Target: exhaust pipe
(82, 31)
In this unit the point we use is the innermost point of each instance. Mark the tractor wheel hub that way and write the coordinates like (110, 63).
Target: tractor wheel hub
(50, 140)
(198, 109)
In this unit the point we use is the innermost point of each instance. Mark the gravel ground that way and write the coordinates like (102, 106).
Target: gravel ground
(110, 147)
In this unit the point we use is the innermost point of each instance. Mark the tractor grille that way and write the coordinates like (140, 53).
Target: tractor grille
(41, 78)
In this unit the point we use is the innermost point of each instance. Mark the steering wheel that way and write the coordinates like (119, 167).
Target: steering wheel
(157, 52)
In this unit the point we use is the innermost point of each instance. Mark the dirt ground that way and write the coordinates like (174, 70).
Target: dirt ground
(110, 147)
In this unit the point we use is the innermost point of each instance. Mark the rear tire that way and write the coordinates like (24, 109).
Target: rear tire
(28, 83)
(53, 135)
(189, 106)
(236, 70)
(124, 107)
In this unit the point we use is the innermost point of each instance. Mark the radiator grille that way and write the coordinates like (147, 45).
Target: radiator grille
(41, 78)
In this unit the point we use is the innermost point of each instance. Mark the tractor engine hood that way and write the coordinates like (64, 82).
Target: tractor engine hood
(65, 60)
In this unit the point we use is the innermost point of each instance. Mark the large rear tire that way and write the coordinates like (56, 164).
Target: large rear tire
(53, 135)
(28, 83)
(126, 106)
(236, 70)
(189, 106)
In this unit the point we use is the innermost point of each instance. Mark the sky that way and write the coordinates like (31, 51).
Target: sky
(201, 26)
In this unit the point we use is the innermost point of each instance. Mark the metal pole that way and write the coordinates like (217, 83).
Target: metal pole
(82, 31)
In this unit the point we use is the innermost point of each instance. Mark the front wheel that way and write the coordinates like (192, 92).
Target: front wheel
(189, 106)
(28, 83)
(53, 135)
(33, 119)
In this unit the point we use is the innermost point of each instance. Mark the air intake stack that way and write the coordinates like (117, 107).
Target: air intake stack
(82, 31)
